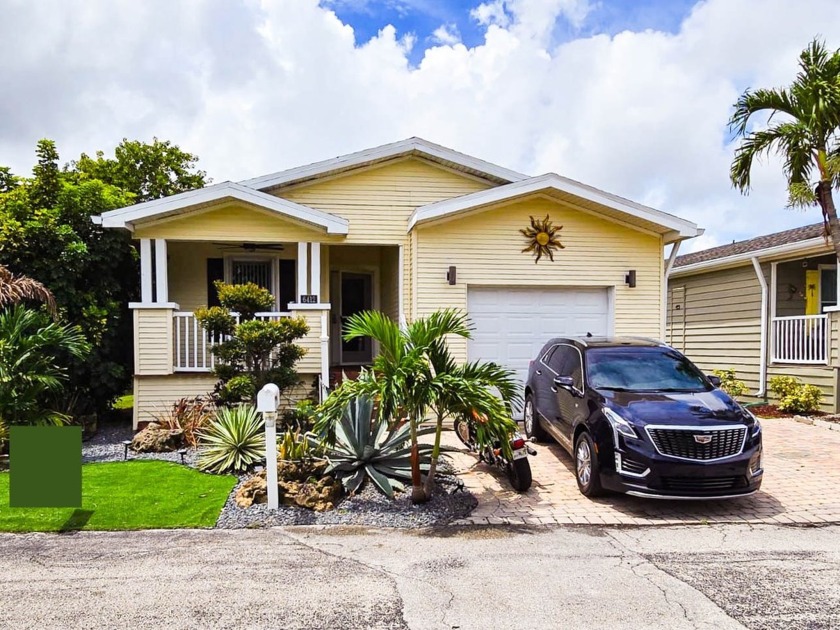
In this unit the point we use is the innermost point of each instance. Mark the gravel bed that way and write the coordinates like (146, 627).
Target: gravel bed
(369, 508)
(107, 446)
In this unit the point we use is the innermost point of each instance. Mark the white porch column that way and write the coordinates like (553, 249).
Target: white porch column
(762, 362)
(161, 272)
(325, 355)
(315, 271)
(400, 286)
(302, 270)
(774, 287)
(145, 271)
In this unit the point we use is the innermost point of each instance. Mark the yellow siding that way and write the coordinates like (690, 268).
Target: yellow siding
(233, 222)
(154, 395)
(486, 249)
(311, 362)
(379, 201)
(152, 341)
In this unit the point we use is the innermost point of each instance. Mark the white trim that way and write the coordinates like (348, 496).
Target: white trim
(325, 354)
(302, 270)
(774, 297)
(411, 146)
(669, 265)
(400, 288)
(821, 267)
(183, 202)
(315, 269)
(161, 271)
(154, 305)
(324, 306)
(813, 245)
(670, 224)
(762, 361)
(146, 270)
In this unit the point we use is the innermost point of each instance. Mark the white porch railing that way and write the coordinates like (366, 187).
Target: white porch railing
(800, 339)
(193, 343)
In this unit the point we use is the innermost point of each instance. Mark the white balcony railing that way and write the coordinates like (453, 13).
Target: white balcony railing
(193, 343)
(801, 339)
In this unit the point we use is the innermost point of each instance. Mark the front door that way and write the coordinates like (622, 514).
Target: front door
(356, 293)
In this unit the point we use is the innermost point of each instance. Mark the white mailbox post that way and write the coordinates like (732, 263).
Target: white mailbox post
(268, 400)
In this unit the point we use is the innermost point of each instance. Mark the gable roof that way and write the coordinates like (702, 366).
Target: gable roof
(417, 147)
(193, 199)
(570, 191)
(801, 238)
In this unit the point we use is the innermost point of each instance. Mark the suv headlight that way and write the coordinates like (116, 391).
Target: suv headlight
(619, 424)
(756, 428)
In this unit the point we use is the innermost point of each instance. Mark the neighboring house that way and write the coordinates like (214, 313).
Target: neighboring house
(407, 228)
(766, 306)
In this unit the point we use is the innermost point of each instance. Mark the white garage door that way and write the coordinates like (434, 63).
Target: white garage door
(512, 324)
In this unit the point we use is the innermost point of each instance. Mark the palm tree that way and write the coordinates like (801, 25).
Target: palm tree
(415, 375)
(16, 289)
(805, 136)
(30, 370)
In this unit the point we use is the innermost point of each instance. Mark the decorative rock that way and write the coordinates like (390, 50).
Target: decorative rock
(157, 439)
(304, 491)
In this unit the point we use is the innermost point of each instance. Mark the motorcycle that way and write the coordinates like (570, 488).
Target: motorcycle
(518, 469)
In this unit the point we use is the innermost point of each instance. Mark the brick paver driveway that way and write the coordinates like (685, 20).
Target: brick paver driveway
(801, 485)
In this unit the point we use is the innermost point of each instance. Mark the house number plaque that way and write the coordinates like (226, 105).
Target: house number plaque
(308, 299)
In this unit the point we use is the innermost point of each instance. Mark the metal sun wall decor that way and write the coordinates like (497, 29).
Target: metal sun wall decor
(542, 238)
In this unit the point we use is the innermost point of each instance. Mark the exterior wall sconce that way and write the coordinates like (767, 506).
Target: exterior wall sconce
(451, 275)
(630, 278)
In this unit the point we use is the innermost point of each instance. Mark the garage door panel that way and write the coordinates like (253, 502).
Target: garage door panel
(512, 323)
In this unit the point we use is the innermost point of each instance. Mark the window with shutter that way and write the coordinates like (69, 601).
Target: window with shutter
(256, 271)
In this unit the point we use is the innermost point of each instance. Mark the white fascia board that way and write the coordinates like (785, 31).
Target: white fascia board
(127, 217)
(792, 250)
(681, 227)
(387, 151)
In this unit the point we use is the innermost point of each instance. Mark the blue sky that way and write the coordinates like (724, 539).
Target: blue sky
(422, 17)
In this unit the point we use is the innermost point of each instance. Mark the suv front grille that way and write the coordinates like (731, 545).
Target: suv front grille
(702, 485)
(682, 443)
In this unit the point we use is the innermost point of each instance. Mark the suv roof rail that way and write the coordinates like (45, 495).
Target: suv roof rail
(658, 342)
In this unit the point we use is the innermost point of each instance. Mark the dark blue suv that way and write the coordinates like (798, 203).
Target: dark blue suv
(638, 417)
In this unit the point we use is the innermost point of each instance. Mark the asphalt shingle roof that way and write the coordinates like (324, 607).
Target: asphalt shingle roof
(786, 237)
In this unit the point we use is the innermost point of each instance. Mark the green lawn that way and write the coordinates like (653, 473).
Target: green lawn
(127, 495)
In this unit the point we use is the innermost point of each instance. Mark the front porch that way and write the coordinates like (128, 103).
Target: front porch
(321, 283)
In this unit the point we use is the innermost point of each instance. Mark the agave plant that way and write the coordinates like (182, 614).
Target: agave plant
(369, 448)
(233, 441)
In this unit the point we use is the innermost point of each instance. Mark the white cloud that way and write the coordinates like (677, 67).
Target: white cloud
(446, 35)
(253, 87)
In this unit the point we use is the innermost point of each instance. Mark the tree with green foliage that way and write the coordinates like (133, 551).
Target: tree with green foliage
(148, 171)
(415, 376)
(251, 352)
(803, 130)
(46, 233)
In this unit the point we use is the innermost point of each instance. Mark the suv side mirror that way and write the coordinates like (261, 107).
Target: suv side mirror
(714, 380)
(567, 383)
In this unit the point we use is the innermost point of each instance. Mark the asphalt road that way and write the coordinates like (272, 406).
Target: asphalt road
(567, 577)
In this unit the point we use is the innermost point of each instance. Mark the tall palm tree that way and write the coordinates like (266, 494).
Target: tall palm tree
(15, 289)
(805, 135)
(415, 376)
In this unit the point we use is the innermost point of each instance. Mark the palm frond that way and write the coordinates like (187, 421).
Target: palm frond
(15, 289)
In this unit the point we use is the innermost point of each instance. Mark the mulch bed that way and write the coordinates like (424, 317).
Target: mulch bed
(772, 411)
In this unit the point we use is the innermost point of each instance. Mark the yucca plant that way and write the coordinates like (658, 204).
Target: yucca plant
(370, 448)
(293, 446)
(232, 442)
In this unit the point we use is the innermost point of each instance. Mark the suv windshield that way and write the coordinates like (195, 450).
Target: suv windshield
(642, 369)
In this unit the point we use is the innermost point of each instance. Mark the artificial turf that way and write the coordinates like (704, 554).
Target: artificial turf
(127, 495)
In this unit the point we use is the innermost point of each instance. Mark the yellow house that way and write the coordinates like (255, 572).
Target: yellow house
(406, 228)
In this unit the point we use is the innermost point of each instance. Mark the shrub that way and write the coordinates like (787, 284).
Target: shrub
(190, 415)
(366, 448)
(730, 384)
(233, 441)
(245, 299)
(216, 320)
(794, 395)
(302, 417)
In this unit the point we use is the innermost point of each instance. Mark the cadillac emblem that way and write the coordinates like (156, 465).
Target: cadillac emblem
(703, 439)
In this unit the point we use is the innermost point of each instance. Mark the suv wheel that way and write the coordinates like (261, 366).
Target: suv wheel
(533, 429)
(587, 469)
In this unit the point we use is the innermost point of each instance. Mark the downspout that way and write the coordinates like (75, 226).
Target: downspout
(762, 363)
(667, 274)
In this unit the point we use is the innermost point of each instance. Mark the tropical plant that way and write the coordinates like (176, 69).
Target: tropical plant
(189, 415)
(368, 447)
(293, 446)
(33, 354)
(4, 437)
(252, 352)
(16, 289)
(232, 442)
(794, 395)
(805, 135)
(730, 384)
(414, 375)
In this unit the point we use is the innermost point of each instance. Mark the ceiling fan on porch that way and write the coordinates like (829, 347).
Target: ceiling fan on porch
(251, 247)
